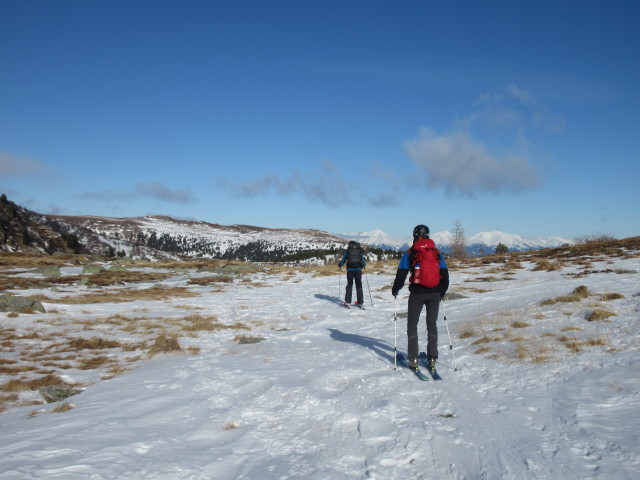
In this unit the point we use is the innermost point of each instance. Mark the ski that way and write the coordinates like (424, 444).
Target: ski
(432, 371)
(404, 361)
(346, 305)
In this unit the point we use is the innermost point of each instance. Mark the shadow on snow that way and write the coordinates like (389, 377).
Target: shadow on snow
(329, 298)
(380, 348)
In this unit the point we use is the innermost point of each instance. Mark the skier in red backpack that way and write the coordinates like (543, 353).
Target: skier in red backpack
(428, 284)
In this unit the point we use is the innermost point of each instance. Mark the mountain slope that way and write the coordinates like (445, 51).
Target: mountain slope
(156, 237)
(206, 240)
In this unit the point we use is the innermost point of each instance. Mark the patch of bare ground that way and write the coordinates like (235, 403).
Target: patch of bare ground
(507, 338)
(53, 345)
(156, 292)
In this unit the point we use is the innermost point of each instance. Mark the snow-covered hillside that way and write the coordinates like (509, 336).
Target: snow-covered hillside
(540, 392)
(376, 238)
(144, 236)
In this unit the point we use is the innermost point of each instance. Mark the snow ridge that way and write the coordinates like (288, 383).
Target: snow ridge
(478, 244)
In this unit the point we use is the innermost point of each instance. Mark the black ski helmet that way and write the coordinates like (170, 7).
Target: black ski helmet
(420, 231)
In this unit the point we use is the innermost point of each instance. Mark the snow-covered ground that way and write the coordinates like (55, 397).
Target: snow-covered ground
(319, 398)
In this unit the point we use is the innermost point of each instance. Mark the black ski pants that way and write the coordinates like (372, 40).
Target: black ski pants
(351, 276)
(416, 302)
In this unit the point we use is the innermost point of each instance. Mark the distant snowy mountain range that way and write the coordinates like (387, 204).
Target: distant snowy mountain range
(480, 244)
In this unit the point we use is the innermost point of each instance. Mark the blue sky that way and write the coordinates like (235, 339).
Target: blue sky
(344, 116)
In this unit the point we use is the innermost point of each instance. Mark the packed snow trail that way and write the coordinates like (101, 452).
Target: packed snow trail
(319, 399)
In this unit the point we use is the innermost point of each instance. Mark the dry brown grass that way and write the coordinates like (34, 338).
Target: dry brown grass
(63, 407)
(101, 279)
(576, 345)
(93, 343)
(165, 344)
(92, 363)
(210, 279)
(605, 297)
(495, 337)
(108, 278)
(468, 330)
(598, 315)
(544, 264)
(579, 293)
(18, 385)
(122, 296)
(571, 329)
(198, 323)
(24, 260)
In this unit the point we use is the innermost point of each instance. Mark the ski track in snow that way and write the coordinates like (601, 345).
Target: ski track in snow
(319, 398)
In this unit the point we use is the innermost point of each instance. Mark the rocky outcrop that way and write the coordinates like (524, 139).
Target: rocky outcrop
(13, 303)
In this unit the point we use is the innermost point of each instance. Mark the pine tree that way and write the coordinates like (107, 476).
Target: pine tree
(502, 248)
(459, 246)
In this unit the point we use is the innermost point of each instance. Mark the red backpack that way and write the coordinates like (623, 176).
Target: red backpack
(425, 267)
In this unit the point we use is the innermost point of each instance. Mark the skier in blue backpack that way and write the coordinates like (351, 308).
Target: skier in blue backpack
(429, 283)
(356, 261)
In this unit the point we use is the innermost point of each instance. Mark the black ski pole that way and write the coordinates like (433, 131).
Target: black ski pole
(453, 357)
(370, 298)
(395, 334)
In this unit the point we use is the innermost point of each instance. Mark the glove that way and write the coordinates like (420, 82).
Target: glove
(394, 293)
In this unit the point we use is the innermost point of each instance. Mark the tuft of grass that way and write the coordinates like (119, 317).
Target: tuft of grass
(17, 385)
(467, 331)
(576, 295)
(63, 407)
(572, 343)
(610, 296)
(483, 349)
(121, 296)
(570, 329)
(165, 344)
(598, 315)
(485, 339)
(546, 265)
(576, 345)
(93, 343)
(520, 324)
(92, 363)
(210, 279)
(197, 323)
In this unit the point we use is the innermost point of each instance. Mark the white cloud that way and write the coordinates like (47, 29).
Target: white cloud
(488, 151)
(155, 190)
(326, 187)
(12, 166)
(162, 192)
(461, 165)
